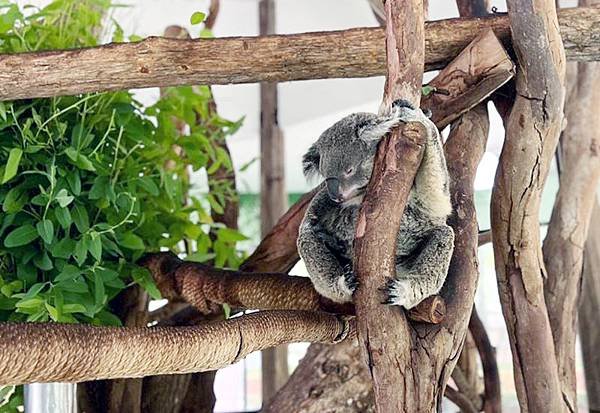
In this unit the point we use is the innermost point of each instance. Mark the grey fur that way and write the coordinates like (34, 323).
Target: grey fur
(344, 156)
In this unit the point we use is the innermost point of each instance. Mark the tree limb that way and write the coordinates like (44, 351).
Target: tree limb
(532, 132)
(171, 62)
(74, 353)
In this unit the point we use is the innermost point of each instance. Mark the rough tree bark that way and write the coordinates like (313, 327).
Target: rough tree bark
(589, 310)
(579, 169)
(170, 62)
(383, 333)
(532, 132)
(273, 195)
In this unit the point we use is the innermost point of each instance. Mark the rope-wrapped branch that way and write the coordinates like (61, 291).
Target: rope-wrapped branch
(200, 285)
(32, 352)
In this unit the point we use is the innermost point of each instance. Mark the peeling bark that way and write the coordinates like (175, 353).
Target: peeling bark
(383, 333)
(532, 132)
(579, 161)
(589, 310)
(159, 62)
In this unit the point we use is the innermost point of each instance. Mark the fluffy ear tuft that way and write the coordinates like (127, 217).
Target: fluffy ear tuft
(373, 131)
(310, 161)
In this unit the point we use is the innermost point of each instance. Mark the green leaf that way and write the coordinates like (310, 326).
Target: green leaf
(63, 248)
(73, 308)
(20, 236)
(106, 318)
(27, 273)
(34, 290)
(69, 272)
(230, 235)
(12, 165)
(52, 311)
(197, 18)
(3, 111)
(46, 230)
(427, 90)
(63, 216)
(226, 310)
(94, 245)
(64, 198)
(149, 186)
(29, 303)
(81, 251)
(215, 206)
(43, 262)
(80, 218)
(74, 182)
(131, 241)
(15, 200)
(101, 189)
(79, 159)
(143, 277)
(99, 294)
(74, 286)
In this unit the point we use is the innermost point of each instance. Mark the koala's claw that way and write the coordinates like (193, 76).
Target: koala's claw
(350, 278)
(397, 293)
(401, 103)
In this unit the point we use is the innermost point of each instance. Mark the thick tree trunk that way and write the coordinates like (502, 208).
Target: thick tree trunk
(532, 132)
(170, 62)
(589, 310)
(383, 333)
(579, 167)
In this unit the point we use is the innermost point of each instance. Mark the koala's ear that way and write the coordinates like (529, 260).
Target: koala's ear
(373, 130)
(310, 161)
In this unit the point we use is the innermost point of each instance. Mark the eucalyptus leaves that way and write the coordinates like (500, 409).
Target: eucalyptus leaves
(89, 183)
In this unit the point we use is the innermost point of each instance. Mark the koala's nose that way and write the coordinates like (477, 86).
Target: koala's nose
(333, 189)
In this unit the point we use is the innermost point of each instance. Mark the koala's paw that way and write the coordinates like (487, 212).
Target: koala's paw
(401, 103)
(399, 292)
(350, 277)
(346, 284)
(405, 112)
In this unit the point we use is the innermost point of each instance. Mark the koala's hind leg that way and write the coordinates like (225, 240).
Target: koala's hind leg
(425, 274)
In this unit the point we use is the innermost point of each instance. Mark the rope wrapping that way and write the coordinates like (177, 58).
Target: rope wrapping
(32, 352)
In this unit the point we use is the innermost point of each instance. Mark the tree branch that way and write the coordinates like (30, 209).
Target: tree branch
(171, 62)
(532, 132)
(75, 353)
(579, 174)
(383, 334)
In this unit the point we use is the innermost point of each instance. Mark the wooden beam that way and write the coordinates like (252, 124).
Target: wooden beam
(158, 62)
(273, 196)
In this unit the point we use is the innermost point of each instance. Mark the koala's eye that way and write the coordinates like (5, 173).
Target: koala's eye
(349, 171)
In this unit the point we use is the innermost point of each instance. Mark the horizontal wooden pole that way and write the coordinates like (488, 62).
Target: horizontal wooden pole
(159, 62)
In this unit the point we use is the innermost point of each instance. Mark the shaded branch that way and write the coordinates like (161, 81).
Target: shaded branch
(492, 397)
(158, 62)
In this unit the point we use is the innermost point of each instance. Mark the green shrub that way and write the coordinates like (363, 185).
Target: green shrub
(89, 183)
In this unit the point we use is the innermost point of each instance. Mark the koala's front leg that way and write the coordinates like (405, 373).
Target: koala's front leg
(330, 278)
(424, 275)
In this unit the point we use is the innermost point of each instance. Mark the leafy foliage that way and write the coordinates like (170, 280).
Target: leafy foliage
(91, 182)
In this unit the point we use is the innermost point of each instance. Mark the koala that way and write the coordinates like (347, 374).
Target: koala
(344, 155)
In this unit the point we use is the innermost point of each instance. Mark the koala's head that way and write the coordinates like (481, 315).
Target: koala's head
(344, 155)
